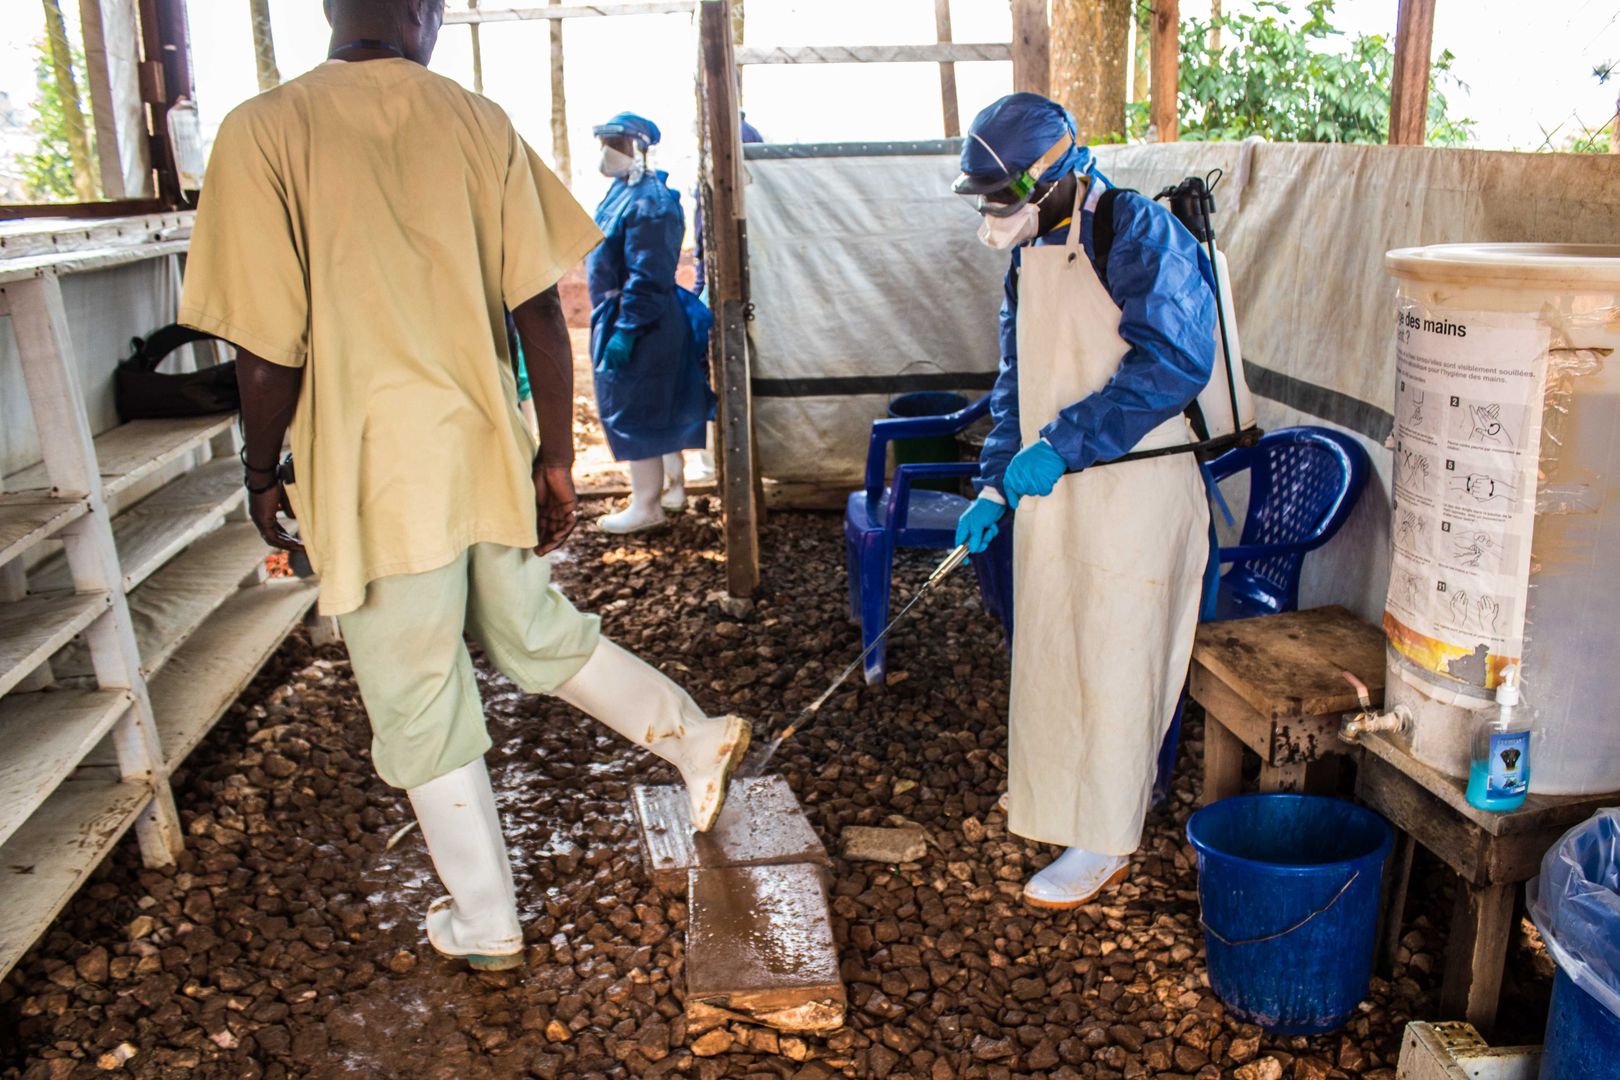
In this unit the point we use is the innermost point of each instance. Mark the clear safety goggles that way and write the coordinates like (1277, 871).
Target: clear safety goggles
(997, 198)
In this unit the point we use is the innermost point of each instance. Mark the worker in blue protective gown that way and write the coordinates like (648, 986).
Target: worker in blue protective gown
(1096, 362)
(649, 336)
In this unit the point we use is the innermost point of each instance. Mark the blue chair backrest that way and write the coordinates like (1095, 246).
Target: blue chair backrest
(886, 431)
(1303, 483)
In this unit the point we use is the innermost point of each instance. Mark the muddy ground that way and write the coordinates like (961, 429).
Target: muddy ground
(287, 942)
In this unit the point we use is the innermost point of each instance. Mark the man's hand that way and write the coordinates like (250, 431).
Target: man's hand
(263, 508)
(556, 507)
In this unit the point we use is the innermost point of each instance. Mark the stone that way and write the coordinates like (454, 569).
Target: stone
(759, 946)
(1266, 1068)
(710, 1043)
(862, 843)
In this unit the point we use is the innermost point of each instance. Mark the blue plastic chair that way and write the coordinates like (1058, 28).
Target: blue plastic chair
(882, 518)
(1303, 483)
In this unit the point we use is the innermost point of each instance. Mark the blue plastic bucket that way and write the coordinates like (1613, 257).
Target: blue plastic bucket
(1289, 886)
(1583, 1038)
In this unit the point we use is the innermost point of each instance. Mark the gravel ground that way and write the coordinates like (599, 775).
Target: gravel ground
(287, 942)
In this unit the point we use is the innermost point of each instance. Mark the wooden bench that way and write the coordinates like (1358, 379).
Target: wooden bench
(1492, 854)
(1275, 684)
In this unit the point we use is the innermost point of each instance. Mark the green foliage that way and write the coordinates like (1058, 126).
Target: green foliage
(1293, 77)
(48, 171)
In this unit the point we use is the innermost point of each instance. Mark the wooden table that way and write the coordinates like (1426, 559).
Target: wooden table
(1275, 684)
(1492, 853)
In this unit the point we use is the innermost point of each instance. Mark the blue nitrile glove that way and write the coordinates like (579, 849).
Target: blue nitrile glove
(1034, 470)
(977, 525)
(618, 350)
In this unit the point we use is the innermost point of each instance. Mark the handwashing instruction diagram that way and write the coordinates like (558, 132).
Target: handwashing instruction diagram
(1469, 388)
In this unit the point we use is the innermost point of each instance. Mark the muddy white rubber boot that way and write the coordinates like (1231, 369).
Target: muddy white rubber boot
(646, 486)
(639, 702)
(478, 921)
(1075, 877)
(674, 499)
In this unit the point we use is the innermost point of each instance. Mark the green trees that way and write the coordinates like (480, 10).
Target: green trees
(1291, 76)
(50, 173)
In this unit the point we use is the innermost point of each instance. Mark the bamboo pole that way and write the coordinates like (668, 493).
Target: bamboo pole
(560, 155)
(477, 51)
(67, 89)
(264, 45)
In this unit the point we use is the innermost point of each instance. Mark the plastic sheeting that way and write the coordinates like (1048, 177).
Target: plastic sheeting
(1576, 905)
(867, 282)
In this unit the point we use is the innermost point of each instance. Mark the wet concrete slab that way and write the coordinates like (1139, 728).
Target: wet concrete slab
(759, 947)
(761, 825)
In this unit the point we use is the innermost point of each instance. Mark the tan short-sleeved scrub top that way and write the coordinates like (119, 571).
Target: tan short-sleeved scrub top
(369, 222)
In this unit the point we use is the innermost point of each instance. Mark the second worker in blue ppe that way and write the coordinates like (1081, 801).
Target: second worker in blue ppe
(1099, 358)
(649, 336)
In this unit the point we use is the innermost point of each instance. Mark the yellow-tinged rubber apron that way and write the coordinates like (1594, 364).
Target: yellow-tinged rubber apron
(1107, 573)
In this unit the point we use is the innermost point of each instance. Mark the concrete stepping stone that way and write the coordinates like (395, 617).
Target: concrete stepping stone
(761, 825)
(759, 948)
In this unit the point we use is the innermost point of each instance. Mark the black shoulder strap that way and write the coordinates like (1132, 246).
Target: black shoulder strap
(150, 351)
(1102, 230)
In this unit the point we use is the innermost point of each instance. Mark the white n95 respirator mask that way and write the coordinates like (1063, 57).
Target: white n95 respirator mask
(1011, 230)
(615, 163)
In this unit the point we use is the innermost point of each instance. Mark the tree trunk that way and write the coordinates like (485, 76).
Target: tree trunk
(737, 20)
(1214, 26)
(1089, 39)
(264, 45)
(67, 87)
(1140, 63)
(1166, 47)
(559, 104)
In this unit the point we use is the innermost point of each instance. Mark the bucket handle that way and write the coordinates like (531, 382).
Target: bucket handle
(1218, 936)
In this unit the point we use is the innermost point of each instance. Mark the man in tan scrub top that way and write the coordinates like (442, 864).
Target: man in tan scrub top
(361, 230)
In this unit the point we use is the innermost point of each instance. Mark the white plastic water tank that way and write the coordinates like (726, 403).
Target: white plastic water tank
(1506, 519)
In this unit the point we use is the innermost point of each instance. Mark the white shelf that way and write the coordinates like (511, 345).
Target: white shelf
(34, 628)
(46, 734)
(132, 451)
(170, 605)
(162, 525)
(81, 262)
(27, 519)
(205, 675)
(43, 863)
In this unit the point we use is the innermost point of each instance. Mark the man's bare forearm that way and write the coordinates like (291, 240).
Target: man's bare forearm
(269, 399)
(549, 357)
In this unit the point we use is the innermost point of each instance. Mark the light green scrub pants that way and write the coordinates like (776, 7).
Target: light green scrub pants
(410, 659)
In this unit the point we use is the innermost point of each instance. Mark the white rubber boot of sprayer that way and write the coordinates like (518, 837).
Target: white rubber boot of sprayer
(674, 499)
(478, 921)
(1075, 877)
(646, 486)
(639, 702)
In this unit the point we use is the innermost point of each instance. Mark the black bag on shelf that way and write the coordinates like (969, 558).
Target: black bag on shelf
(143, 393)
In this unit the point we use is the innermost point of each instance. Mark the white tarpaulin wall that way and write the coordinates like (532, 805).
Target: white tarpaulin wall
(1305, 228)
(867, 282)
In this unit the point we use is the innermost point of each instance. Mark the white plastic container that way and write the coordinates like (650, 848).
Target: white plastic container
(1464, 315)
(1215, 400)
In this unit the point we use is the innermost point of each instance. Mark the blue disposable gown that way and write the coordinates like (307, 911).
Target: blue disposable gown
(658, 401)
(1161, 280)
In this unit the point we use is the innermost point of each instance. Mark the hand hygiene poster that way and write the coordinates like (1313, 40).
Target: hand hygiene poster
(1468, 403)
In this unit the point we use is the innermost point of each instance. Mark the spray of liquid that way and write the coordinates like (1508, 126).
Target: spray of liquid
(757, 765)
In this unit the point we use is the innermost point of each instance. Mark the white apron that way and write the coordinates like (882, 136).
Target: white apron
(1107, 573)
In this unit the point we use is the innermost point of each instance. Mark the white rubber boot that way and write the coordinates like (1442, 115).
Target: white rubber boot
(1075, 877)
(704, 472)
(639, 702)
(478, 921)
(674, 499)
(646, 485)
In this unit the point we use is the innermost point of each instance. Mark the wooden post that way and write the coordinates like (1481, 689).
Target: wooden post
(1409, 82)
(1031, 50)
(1166, 77)
(165, 79)
(477, 52)
(724, 264)
(947, 71)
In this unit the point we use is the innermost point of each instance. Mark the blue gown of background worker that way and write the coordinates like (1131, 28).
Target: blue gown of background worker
(649, 336)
